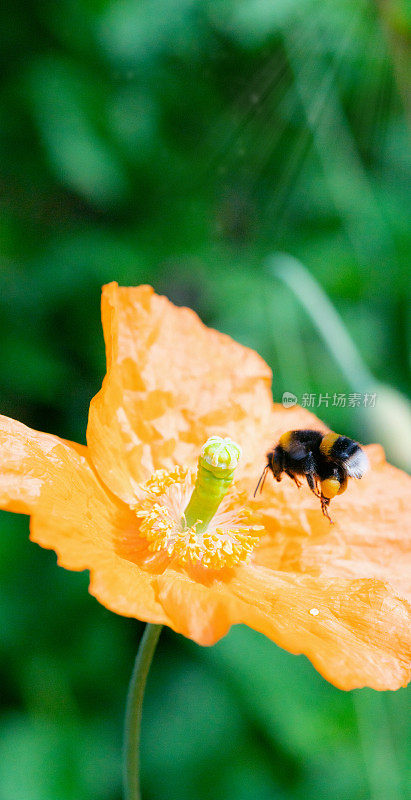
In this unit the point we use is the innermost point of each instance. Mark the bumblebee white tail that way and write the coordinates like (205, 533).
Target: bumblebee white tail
(357, 464)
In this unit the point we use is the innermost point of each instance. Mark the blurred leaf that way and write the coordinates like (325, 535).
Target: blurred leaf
(78, 151)
(253, 21)
(133, 33)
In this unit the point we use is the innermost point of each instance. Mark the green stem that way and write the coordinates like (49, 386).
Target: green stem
(134, 707)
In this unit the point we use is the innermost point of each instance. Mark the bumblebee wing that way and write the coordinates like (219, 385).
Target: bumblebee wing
(297, 450)
(300, 443)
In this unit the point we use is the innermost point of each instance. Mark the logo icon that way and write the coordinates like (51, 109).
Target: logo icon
(289, 399)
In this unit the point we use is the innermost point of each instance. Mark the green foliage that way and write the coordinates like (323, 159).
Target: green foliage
(181, 143)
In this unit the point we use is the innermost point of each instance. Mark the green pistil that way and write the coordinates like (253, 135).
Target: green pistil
(216, 465)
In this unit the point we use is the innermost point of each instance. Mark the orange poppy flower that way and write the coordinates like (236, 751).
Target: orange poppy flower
(339, 594)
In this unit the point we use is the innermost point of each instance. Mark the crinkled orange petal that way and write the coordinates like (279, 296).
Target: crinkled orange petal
(170, 384)
(72, 513)
(355, 632)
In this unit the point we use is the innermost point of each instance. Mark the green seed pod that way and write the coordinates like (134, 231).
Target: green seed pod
(218, 460)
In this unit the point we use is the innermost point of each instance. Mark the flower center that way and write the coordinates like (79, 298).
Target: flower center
(198, 520)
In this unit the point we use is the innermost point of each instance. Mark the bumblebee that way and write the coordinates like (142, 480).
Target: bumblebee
(325, 460)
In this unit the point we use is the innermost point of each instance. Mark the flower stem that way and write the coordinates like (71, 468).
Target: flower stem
(134, 707)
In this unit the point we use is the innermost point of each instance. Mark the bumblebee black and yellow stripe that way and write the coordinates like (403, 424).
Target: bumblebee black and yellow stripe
(328, 442)
(284, 440)
(345, 451)
(343, 448)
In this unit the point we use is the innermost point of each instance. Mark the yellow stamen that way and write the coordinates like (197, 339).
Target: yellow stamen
(228, 540)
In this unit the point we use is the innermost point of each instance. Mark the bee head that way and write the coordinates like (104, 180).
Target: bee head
(275, 461)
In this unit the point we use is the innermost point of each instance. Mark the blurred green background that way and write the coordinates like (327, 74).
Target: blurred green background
(210, 149)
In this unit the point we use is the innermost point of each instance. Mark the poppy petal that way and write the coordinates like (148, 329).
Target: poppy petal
(170, 384)
(72, 513)
(356, 633)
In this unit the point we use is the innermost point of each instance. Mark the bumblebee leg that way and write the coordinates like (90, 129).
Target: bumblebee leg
(310, 472)
(325, 502)
(294, 478)
(313, 484)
